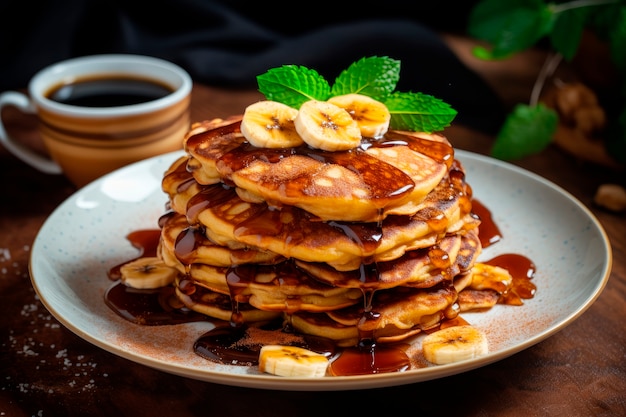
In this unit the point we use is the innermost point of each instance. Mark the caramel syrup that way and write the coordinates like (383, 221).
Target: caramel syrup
(522, 270)
(489, 232)
(370, 359)
(519, 266)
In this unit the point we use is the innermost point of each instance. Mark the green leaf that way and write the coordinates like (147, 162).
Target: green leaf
(510, 26)
(293, 85)
(526, 131)
(375, 77)
(418, 112)
(567, 32)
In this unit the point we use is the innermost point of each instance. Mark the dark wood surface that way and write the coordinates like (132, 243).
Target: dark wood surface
(47, 370)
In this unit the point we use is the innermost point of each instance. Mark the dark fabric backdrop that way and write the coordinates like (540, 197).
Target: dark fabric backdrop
(227, 43)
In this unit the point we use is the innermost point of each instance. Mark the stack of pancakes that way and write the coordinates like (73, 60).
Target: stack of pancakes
(371, 243)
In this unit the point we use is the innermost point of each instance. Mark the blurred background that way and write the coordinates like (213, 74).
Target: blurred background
(227, 43)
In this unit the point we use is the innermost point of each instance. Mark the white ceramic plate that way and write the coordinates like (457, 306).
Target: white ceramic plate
(86, 235)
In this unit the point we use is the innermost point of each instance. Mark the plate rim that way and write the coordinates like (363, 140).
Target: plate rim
(334, 382)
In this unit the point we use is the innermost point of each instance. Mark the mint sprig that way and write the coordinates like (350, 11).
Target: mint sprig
(375, 77)
(293, 85)
(418, 112)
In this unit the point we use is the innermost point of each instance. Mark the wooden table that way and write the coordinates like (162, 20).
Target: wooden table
(47, 370)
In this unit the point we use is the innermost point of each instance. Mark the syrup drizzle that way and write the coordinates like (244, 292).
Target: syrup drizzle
(489, 231)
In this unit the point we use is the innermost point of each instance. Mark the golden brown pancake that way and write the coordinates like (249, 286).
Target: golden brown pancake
(294, 233)
(319, 324)
(386, 176)
(485, 286)
(204, 170)
(219, 306)
(472, 300)
(182, 244)
(284, 288)
(402, 307)
(179, 185)
(400, 312)
(422, 268)
(279, 287)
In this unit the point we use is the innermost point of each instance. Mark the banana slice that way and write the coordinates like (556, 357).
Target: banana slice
(147, 273)
(326, 126)
(490, 277)
(453, 344)
(270, 124)
(371, 115)
(292, 361)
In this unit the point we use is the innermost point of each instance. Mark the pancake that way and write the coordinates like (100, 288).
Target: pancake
(219, 306)
(422, 268)
(182, 244)
(474, 300)
(284, 288)
(319, 324)
(294, 233)
(387, 176)
(279, 287)
(485, 286)
(399, 313)
(179, 185)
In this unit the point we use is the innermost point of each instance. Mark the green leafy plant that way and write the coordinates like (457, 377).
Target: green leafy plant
(375, 77)
(512, 26)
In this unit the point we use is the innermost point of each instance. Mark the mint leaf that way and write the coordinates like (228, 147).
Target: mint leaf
(526, 131)
(418, 112)
(293, 85)
(375, 77)
(510, 26)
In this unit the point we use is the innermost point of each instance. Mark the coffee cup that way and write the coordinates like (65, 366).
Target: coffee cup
(98, 113)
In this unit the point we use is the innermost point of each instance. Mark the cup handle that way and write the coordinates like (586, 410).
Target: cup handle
(22, 102)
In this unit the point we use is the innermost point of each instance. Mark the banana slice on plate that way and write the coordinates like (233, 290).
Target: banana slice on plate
(371, 115)
(270, 124)
(147, 273)
(454, 344)
(326, 126)
(292, 361)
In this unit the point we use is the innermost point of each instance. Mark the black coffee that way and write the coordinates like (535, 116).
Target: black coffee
(108, 92)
